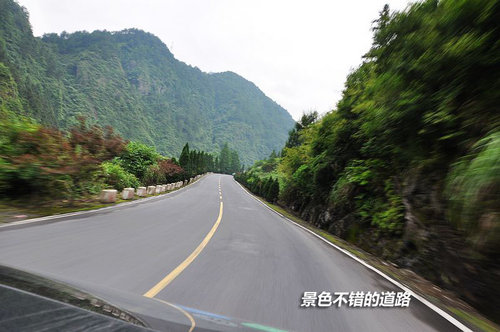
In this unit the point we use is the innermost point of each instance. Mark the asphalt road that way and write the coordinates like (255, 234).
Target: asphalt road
(254, 266)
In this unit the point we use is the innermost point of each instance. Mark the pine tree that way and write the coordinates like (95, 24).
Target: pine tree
(274, 190)
(184, 158)
(225, 159)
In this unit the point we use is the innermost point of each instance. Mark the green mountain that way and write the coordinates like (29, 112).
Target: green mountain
(131, 81)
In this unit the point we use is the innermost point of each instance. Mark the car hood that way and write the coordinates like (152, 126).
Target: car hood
(50, 302)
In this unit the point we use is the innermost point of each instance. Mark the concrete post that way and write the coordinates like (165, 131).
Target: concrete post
(141, 191)
(158, 189)
(108, 196)
(151, 190)
(128, 193)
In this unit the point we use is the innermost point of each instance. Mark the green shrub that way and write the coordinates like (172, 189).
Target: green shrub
(117, 177)
(137, 157)
(473, 186)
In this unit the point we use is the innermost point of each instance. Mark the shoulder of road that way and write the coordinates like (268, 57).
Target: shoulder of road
(442, 301)
(167, 190)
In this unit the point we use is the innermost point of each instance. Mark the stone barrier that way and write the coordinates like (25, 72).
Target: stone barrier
(108, 196)
(151, 190)
(128, 193)
(141, 191)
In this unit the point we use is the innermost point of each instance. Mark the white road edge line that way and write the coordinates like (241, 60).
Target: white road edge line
(438, 310)
(78, 213)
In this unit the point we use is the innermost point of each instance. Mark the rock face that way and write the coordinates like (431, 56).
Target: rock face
(141, 191)
(128, 193)
(151, 190)
(108, 196)
(429, 243)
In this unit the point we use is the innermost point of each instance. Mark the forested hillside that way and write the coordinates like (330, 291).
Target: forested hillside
(408, 164)
(131, 81)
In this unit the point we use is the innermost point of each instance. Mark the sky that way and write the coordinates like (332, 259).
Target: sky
(297, 52)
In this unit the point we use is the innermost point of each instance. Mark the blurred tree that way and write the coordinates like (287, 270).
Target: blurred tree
(137, 157)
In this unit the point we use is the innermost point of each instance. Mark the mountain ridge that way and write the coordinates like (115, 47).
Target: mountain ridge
(130, 80)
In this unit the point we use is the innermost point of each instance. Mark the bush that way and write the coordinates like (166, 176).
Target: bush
(117, 177)
(473, 188)
(162, 172)
(274, 190)
(36, 160)
(136, 158)
(269, 188)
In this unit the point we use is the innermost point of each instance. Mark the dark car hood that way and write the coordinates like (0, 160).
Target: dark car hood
(32, 301)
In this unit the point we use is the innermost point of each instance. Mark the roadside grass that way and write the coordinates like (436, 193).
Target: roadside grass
(443, 299)
(11, 211)
(17, 210)
(475, 320)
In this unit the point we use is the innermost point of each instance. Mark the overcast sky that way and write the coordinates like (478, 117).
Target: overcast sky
(297, 52)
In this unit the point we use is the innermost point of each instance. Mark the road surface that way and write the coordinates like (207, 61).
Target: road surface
(213, 247)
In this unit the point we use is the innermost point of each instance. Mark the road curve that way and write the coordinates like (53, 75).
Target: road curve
(255, 265)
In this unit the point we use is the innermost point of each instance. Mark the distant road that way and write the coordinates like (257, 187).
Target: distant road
(218, 251)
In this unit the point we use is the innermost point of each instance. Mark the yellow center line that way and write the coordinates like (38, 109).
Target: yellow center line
(178, 270)
(187, 314)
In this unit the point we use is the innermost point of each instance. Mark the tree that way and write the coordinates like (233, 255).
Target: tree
(306, 120)
(184, 158)
(235, 162)
(164, 171)
(274, 190)
(225, 159)
(137, 157)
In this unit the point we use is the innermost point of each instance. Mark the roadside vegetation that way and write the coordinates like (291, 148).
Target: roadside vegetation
(407, 166)
(42, 166)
